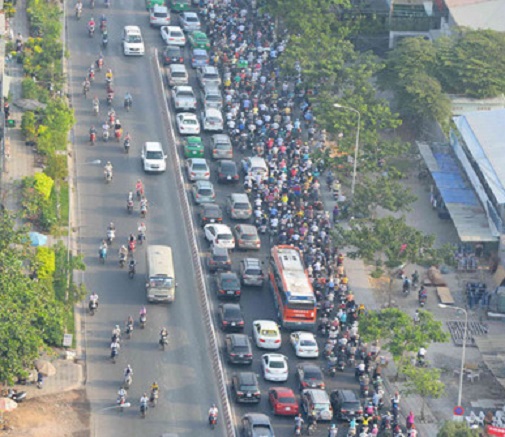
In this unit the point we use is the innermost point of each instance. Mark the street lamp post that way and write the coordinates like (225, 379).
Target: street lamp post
(463, 352)
(356, 145)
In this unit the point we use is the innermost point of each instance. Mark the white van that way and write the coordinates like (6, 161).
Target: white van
(160, 274)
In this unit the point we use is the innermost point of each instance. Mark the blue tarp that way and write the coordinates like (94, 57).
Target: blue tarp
(450, 182)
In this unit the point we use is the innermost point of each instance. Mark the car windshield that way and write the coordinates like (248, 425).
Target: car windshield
(199, 166)
(185, 94)
(320, 407)
(212, 213)
(351, 406)
(229, 283)
(312, 374)
(160, 14)
(173, 52)
(253, 272)
(205, 192)
(227, 167)
(241, 349)
(258, 170)
(189, 121)
(211, 76)
(176, 34)
(154, 155)
(233, 313)
(220, 258)
(248, 387)
(277, 364)
(223, 146)
(248, 237)
(307, 342)
(133, 39)
(178, 74)
(213, 120)
(159, 282)
(191, 19)
(225, 237)
(239, 205)
(200, 56)
(268, 333)
(213, 97)
(261, 431)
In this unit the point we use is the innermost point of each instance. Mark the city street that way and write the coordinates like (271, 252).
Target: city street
(183, 371)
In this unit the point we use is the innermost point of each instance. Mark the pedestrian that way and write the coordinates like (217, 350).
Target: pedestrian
(40, 379)
(7, 109)
(336, 212)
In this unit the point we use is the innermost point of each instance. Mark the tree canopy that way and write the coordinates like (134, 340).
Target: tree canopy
(457, 429)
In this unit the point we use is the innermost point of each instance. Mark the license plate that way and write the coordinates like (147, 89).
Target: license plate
(288, 408)
(249, 395)
(233, 324)
(228, 177)
(230, 292)
(212, 220)
(241, 356)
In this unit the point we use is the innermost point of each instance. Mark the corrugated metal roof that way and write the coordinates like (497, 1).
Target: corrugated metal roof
(487, 14)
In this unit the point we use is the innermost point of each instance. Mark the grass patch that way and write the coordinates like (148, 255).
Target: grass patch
(64, 203)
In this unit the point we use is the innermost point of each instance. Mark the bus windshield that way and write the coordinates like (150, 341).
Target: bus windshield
(161, 282)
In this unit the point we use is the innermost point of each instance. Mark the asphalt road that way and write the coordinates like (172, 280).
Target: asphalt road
(183, 371)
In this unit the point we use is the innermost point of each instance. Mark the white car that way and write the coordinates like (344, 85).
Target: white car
(219, 235)
(254, 166)
(173, 35)
(275, 367)
(133, 44)
(189, 21)
(187, 124)
(159, 16)
(177, 75)
(304, 344)
(197, 169)
(153, 157)
(266, 334)
(212, 120)
(208, 76)
(184, 98)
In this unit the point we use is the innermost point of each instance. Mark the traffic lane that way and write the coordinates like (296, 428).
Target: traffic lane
(183, 384)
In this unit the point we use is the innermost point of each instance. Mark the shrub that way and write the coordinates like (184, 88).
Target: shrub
(57, 167)
(43, 184)
(46, 262)
(28, 126)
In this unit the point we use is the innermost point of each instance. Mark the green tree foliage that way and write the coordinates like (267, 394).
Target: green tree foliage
(457, 429)
(43, 184)
(28, 126)
(31, 318)
(45, 262)
(472, 63)
(424, 382)
(399, 334)
(381, 192)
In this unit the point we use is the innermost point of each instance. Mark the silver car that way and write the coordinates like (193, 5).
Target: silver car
(177, 75)
(238, 206)
(212, 97)
(189, 21)
(184, 98)
(251, 272)
(221, 147)
(197, 169)
(203, 192)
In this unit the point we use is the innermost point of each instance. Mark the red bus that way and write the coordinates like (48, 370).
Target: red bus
(293, 294)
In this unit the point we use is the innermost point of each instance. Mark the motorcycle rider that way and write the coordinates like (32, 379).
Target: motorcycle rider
(139, 188)
(143, 403)
(213, 413)
(128, 100)
(92, 134)
(78, 9)
(85, 86)
(311, 421)
(102, 250)
(99, 61)
(127, 141)
(128, 371)
(163, 335)
(299, 422)
(93, 300)
(143, 311)
(96, 105)
(123, 253)
(103, 22)
(129, 326)
(109, 76)
(111, 231)
(143, 205)
(114, 347)
(105, 130)
(333, 431)
(154, 391)
(116, 332)
(91, 25)
(421, 356)
(141, 233)
(129, 201)
(121, 394)
(108, 170)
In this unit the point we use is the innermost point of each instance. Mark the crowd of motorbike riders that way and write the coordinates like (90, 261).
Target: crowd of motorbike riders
(269, 116)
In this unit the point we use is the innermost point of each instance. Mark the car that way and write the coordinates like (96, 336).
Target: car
(245, 388)
(251, 272)
(317, 400)
(309, 376)
(197, 169)
(304, 344)
(180, 5)
(159, 16)
(133, 44)
(221, 146)
(203, 192)
(283, 401)
(184, 98)
(212, 120)
(187, 124)
(208, 75)
(231, 317)
(227, 172)
(177, 75)
(193, 147)
(219, 235)
(247, 237)
(189, 21)
(219, 259)
(172, 55)
(255, 165)
(238, 349)
(210, 213)
(198, 40)
(199, 58)
(274, 367)
(256, 425)
(266, 334)
(173, 35)
(153, 158)
(238, 206)
(346, 405)
(227, 285)
(212, 97)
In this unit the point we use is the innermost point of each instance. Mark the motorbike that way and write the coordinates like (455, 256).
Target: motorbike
(78, 13)
(364, 385)
(143, 410)
(122, 260)
(129, 329)
(298, 430)
(110, 98)
(105, 39)
(422, 297)
(118, 133)
(111, 234)
(102, 254)
(91, 31)
(153, 398)
(212, 421)
(113, 354)
(96, 109)
(16, 396)
(163, 341)
(121, 402)
(126, 146)
(131, 271)
(129, 206)
(92, 138)
(143, 211)
(131, 246)
(108, 176)
(128, 104)
(99, 64)
(142, 321)
(105, 135)
(128, 379)
(93, 305)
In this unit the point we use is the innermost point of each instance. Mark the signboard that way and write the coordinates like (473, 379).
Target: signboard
(458, 411)
(494, 430)
(67, 340)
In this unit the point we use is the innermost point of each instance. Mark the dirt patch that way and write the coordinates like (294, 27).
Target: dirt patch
(62, 415)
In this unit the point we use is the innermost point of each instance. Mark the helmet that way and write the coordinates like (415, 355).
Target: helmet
(333, 426)
(117, 326)
(108, 163)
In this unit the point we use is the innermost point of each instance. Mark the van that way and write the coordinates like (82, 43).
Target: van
(160, 274)
(318, 401)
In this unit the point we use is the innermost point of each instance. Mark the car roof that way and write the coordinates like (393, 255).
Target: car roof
(318, 394)
(247, 378)
(227, 275)
(172, 47)
(221, 138)
(210, 206)
(204, 184)
(239, 339)
(173, 28)
(284, 391)
(213, 112)
(230, 305)
(187, 115)
(199, 33)
(177, 67)
(153, 145)
(239, 197)
(183, 88)
(247, 229)
(257, 161)
(211, 88)
(304, 334)
(200, 52)
(198, 160)
(258, 418)
(218, 226)
(209, 69)
(219, 250)
(278, 357)
(190, 14)
(267, 324)
(348, 395)
(251, 262)
(227, 163)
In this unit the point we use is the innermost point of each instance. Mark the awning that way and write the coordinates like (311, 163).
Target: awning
(467, 214)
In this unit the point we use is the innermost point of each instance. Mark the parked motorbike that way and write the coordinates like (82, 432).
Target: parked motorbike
(16, 396)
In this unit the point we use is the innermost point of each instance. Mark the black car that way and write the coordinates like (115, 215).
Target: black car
(245, 388)
(257, 425)
(346, 405)
(227, 285)
(309, 376)
(219, 259)
(230, 317)
(238, 349)
(172, 55)
(210, 213)
(227, 171)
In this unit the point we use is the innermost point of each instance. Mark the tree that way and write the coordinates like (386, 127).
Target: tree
(399, 334)
(457, 429)
(425, 382)
(383, 192)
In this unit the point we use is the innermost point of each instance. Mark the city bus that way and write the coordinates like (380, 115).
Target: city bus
(293, 294)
